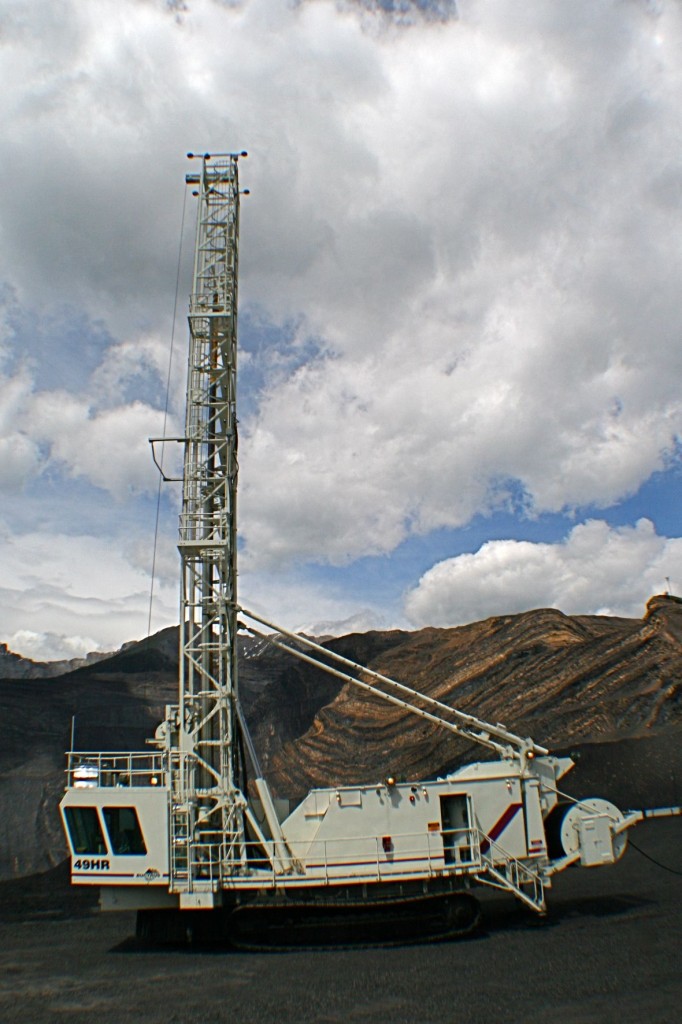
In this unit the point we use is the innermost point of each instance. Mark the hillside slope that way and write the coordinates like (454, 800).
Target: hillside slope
(560, 679)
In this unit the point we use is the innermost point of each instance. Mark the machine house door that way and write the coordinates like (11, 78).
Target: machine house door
(456, 827)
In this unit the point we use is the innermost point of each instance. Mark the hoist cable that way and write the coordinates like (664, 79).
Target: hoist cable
(165, 411)
(653, 860)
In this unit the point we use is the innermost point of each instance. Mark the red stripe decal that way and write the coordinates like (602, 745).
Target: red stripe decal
(499, 826)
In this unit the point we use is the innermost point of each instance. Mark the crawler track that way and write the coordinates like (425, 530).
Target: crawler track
(278, 926)
(363, 923)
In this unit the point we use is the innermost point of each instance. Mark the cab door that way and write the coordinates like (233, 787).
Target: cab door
(456, 819)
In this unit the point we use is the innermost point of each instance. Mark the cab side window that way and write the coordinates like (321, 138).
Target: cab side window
(124, 831)
(85, 831)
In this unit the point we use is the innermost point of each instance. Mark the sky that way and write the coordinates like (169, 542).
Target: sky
(460, 307)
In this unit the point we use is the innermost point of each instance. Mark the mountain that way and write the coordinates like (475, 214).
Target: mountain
(14, 666)
(587, 682)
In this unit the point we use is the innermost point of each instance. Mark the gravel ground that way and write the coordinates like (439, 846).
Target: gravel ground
(609, 951)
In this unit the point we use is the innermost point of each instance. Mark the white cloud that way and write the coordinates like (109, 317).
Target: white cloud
(19, 455)
(63, 595)
(165, 564)
(361, 621)
(473, 224)
(97, 424)
(19, 460)
(597, 569)
(49, 646)
(133, 365)
(500, 295)
(299, 605)
(109, 448)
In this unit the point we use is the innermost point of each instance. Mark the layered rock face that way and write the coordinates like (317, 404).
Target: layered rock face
(562, 680)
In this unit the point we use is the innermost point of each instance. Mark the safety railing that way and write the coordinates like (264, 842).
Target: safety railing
(85, 770)
(511, 873)
(345, 860)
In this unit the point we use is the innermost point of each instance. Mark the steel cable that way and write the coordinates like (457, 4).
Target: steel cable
(165, 411)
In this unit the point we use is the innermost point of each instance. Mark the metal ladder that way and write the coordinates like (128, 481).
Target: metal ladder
(513, 876)
(179, 848)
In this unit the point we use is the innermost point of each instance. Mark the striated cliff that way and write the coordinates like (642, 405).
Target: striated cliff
(560, 679)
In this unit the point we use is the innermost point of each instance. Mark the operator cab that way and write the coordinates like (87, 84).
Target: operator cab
(115, 813)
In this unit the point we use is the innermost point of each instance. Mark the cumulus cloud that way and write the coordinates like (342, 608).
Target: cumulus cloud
(20, 457)
(460, 259)
(133, 367)
(96, 425)
(597, 569)
(110, 448)
(50, 646)
(497, 306)
(83, 587)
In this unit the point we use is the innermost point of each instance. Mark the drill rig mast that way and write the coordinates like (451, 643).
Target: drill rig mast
(208, 798)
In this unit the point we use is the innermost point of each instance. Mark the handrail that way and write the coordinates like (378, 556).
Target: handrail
(521, 874)
(89, 769)
(343, 857)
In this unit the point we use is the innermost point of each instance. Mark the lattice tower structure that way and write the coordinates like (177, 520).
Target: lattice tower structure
(209, 785)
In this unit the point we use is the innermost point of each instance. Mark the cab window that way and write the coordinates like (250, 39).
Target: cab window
(85, 831)
(124, 830)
